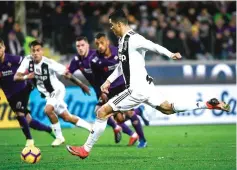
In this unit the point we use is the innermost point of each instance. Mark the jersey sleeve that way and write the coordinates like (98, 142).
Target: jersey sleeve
(24, 65)
(139, 41)
(57, 67)
(73, 65)
(117, 72)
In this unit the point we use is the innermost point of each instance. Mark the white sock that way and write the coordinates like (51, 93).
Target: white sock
(84, 124)
(98, 129)
(182, 107)
(57, 130)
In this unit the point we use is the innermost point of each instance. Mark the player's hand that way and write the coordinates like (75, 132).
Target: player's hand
(86, 90)
(104, 97)
(176, 56)
(31, 75)
(105, 87)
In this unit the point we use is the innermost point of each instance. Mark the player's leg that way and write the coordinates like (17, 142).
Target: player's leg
(17, 105)
(120, 118)
(99, 126)
(171, 108)
(49, 110)
(136, 123)
(77, 121)
(37, 125)
(123, 101)
(157, 101)
(25, 128)
(111, 122)
(139, 111)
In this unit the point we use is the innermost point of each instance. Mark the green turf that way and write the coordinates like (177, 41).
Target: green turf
(174, 147)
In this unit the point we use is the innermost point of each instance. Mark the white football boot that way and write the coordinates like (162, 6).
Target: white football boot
(29, 142)
(58, 141)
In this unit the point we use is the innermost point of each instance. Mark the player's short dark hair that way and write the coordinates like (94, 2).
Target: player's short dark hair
(99, 35)
(118, 16)
(35, 43)
(2, 42)
(82, 38)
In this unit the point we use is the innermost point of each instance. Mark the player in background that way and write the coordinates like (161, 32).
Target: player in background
(103, 65)
(139, 85)
(43, 70)
(82, 61)
(17, 94)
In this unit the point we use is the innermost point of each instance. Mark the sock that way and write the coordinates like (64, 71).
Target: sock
(138, 127)
(138, 112)
(98, 129)
(57, 130)
(182, 107)
(84, 124)
(35, 124)
(126, 129)
(24, 126)
(111, 122)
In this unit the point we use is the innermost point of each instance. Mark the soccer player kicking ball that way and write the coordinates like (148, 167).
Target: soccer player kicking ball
(82, 61)
(140, 88)
(17, 94)
(43, 71)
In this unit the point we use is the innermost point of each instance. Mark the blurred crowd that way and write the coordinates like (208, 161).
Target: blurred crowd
(198, 30)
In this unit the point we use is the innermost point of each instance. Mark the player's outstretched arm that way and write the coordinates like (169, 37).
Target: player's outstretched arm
(76, 81)
(22, 76)
(141, 42)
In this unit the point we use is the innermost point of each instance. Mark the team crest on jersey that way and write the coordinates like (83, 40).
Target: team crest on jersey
(95, 59)
(116, 57)
(45, 71)
(9, 64)
(76, 58)
(37, 70)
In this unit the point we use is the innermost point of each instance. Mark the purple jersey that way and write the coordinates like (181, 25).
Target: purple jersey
(103, 67)
(83, 64)
(7, 71)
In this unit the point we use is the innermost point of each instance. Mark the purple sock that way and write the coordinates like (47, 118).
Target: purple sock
(111, 123)
(138, 112)
(35, 124)
(137, 126)
(126, 129)
(24, 126)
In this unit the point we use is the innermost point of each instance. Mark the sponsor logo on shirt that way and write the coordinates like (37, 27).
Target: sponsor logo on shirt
(6, 73)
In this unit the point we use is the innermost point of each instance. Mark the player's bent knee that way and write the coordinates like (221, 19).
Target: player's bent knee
(104, 112)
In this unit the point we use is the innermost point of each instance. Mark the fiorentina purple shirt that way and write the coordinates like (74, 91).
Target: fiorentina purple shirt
(83, 64)
(7, 71)
(103, 67)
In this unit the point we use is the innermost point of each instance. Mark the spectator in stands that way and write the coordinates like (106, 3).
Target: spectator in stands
(13, 44)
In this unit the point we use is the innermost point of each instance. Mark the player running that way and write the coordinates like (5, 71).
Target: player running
(17, 94)
(43, 71)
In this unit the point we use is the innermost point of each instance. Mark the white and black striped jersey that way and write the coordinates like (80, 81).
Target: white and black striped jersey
(132, 49)
(45, 74)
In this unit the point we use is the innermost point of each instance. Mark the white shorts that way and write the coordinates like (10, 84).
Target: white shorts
(129, 99)
(56, 99)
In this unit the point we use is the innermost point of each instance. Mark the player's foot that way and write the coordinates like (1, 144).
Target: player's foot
(219, 105)
(29, 142)
(142, 144)
(78, 151)
(117, 134)
(141, 109)
(58, 141)
(133, 139)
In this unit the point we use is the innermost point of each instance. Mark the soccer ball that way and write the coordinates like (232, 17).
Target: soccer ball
(31, 155)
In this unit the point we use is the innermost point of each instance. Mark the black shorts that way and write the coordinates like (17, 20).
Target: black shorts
(113, 92)
(19, 101)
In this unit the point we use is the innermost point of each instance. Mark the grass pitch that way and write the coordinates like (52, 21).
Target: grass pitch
(174, 147)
